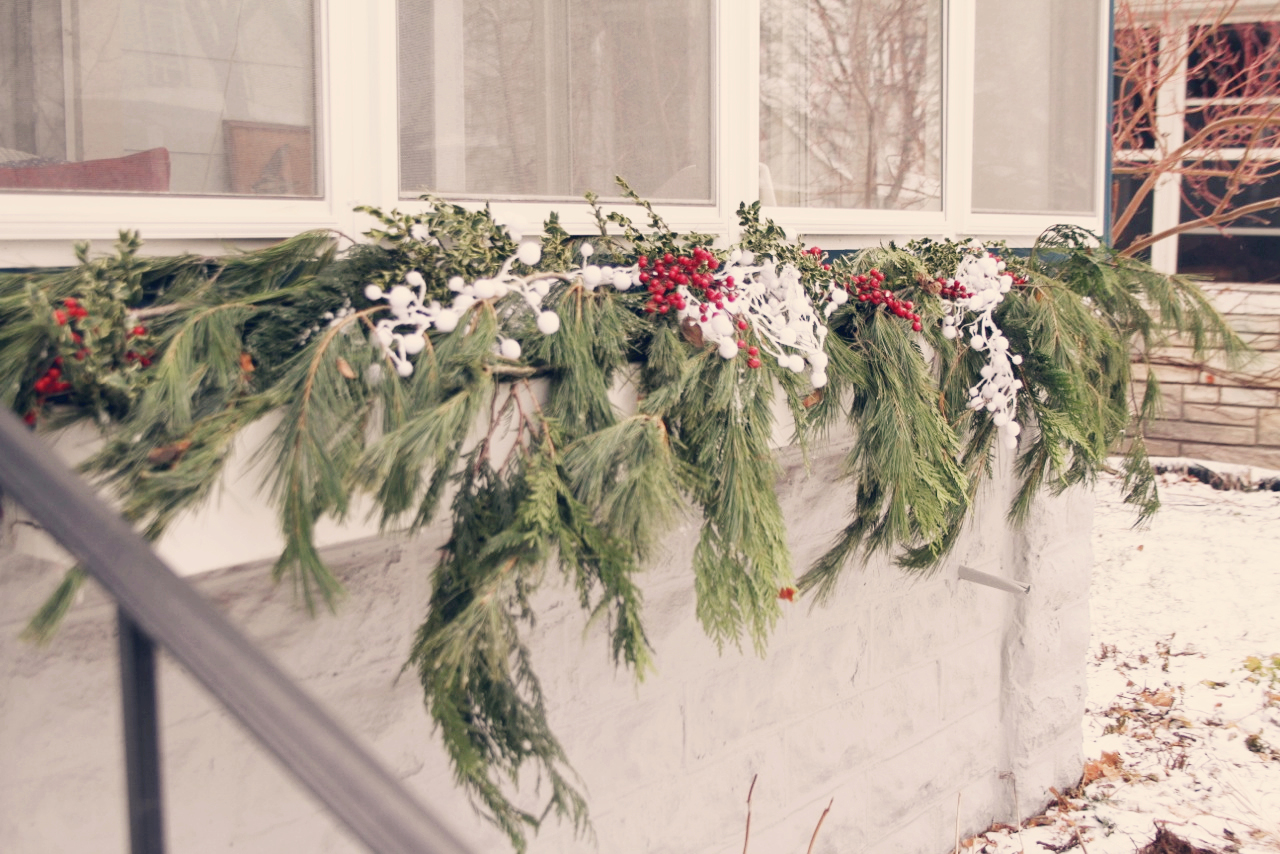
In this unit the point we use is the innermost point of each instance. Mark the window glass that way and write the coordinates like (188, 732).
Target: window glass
(159, 96)
(1036, 110)
(551, 98)
(851, 103)
(1237, 258)
(1135, 80)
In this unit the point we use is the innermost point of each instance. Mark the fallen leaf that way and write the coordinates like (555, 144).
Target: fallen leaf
(345, 369)
(814, 397)
(692, 331)
(168, 454)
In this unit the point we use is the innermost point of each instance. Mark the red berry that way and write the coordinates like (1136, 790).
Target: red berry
(30, 418)
(742, 324)
(753, 363)
(138, 331)
(742, 345)
(753, 351)
(60, 316)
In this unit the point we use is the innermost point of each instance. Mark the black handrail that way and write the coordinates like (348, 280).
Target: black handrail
(168, 610)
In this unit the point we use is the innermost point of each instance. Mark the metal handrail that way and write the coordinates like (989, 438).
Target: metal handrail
(289, 723)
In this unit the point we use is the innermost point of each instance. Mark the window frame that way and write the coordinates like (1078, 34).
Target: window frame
(359, 160)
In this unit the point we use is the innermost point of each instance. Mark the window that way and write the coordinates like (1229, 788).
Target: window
(851, 103)
(1036, 106)
(1192, 112)
(159, 96)
(547, 99)
(854, 121)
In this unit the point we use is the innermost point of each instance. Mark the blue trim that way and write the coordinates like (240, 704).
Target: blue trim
(1107, 215)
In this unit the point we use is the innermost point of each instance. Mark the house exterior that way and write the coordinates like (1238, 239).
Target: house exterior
(209, 126)
(1218, 411)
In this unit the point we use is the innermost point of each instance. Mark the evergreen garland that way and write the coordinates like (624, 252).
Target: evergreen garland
(173, 358)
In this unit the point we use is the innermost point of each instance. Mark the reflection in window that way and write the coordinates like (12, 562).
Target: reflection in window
(179, 96)
(1035, 120)
(551, 98)
(851, 103)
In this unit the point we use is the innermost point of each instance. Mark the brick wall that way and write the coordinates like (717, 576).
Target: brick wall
(1220, 413)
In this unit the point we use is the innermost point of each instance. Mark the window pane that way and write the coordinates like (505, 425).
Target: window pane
(1124, 187)
(851, 103)
(1209, 183)
(1135, 79)
(178, 96)
(551, 98)
(1247, 258)
(1036, 110)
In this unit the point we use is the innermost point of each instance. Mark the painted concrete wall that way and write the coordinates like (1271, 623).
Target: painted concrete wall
(895, 702)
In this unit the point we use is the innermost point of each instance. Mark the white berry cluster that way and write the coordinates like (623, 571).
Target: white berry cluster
(403, 334)
(773, 302)
(980, 284)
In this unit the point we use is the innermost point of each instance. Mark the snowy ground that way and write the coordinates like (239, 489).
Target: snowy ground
(1183, 723)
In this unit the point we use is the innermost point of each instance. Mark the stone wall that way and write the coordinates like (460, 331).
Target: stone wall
(899, 701)
(1222, 413)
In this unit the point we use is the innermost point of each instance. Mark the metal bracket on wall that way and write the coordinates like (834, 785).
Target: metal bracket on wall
(989, 580)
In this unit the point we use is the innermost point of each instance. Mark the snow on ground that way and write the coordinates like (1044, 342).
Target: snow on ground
(1183, 722)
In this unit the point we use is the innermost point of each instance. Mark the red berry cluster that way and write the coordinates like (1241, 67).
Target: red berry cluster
(142, 359)
(71, 310)
(664, 275)
(814, 250)
(53, 383)
(50, 384)
(952, 289)
(870, 289)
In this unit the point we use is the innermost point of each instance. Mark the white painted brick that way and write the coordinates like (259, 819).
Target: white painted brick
(890, 700)
(934, 768)
(1269, 427)
(1247, 323)
(1267, 457)
(1240, 416)
(1185, 431)
(1201, 393)
(971, 677)
(1249, 396)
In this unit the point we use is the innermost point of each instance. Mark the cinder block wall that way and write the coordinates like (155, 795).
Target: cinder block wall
(1219, 413)
(900, 701)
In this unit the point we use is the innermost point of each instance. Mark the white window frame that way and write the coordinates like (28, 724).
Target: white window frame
(359, 161)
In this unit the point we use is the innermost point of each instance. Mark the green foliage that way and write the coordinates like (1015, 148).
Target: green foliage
(173, 359)
(910, 488)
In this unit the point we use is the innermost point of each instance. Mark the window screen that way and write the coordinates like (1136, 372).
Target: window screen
(1036, 110)
(211, 97)
(851, 103)
(551, 98)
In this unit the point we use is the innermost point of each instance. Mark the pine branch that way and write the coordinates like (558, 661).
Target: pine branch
(723, 420)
